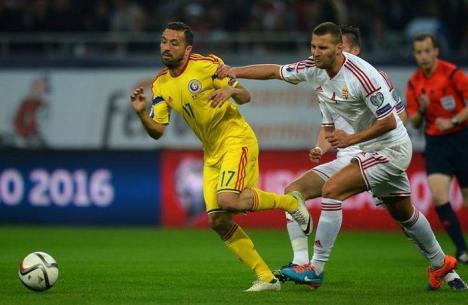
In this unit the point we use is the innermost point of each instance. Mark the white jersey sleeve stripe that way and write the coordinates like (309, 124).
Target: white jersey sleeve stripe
(362, 77)
(387, 80)
(283, 78)
(367, 84)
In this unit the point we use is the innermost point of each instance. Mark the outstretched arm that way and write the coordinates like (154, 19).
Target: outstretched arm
(139, 104)
(267, 71)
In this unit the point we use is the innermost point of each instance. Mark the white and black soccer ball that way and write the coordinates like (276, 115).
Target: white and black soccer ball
(38, 271)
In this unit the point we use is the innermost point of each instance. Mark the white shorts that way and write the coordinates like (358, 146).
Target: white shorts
(384, 170)
(326, 170)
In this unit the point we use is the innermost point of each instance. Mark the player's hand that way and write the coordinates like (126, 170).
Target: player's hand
(315, 154)
(138, 100)
(225, 71)
(423, 103)
(339, 139)
(443, 124)
(218, 97)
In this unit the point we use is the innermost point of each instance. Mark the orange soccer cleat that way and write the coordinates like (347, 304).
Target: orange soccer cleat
(436, 277)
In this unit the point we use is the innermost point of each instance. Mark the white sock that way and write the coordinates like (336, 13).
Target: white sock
(419, 231)
(298, 240)
(327, 230)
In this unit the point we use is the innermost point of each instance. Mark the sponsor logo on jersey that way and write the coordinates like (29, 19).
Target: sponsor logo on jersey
(377, 99)
(194, 86)
(345, 92)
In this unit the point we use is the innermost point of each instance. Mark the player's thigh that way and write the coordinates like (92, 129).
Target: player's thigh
(210, 184)
(345, 183)
(439, 184)
(309, 184)
(238, 171)
(383, 170)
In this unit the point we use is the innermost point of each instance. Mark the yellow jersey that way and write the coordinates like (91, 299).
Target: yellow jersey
(188, 94)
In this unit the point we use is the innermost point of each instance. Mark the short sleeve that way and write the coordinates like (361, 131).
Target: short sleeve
(381, 103)
(460, 81)
(327, 119)
(295, 73)
(160, 110)
(224, 82)
(399, 101)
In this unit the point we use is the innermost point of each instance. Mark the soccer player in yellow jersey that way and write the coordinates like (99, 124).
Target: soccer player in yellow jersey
(189, 85)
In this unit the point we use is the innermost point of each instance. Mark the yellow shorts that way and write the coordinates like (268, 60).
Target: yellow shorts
(236, 170)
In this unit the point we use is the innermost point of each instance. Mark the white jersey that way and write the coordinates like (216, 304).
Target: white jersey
(358, 94)
(341, 123)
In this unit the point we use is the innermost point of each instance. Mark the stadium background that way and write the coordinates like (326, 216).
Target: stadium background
(72, 152)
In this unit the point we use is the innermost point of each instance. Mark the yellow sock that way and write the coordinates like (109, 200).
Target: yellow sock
(242, 246)
(267, 201)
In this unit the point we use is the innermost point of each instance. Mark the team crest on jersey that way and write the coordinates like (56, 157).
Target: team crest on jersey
(345, 92)
(194, 86)
(377, 99)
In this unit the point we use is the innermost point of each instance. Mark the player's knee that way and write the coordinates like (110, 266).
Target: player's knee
(330, 190)
(291, 188)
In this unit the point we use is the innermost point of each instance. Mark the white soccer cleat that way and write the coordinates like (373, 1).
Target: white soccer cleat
(301, 214)
(264, 286)
(455, 282)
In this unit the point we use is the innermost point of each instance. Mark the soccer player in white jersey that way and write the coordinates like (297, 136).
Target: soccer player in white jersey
(311, 182)
(349, 87)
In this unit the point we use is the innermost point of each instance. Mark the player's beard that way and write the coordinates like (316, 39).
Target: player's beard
(172, 63)
(324, 63)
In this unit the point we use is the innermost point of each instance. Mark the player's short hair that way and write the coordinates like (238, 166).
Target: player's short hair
(328, 28)
(353, 32)
(424, 36)
(182, 27)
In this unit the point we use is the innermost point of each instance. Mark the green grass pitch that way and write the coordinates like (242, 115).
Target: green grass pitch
(151, 266)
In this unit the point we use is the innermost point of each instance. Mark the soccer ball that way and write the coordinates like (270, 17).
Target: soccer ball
(38, 271)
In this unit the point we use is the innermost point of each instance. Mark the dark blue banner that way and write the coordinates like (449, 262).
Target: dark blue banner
(80, 187)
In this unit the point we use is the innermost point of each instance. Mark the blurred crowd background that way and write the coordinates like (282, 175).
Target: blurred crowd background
(130, 27)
